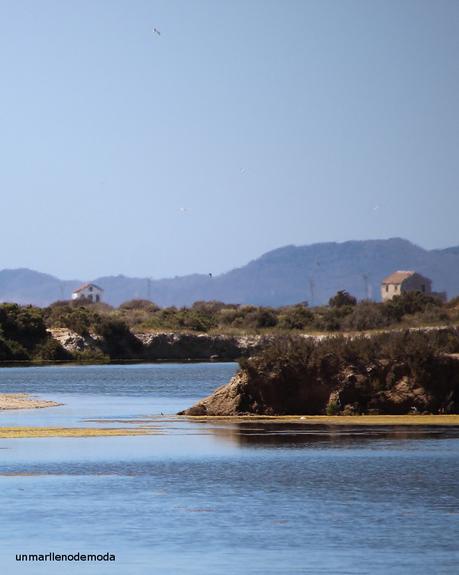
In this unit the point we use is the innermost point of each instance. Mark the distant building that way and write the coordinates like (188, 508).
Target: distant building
(89, 292)
(406, 281)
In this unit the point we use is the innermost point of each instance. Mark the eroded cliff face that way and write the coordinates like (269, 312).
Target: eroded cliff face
(75, 343)
(245, 394)
(380, 388)
(167, 346)
(186, 346)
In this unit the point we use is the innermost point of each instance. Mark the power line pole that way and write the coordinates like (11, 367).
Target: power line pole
(149, 289)
(311, 290)
(367, 286)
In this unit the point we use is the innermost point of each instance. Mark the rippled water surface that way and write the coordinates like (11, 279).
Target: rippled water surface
(217, 498)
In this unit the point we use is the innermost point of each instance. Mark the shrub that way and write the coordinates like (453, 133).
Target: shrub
(118, 340)
(23, 324)
(91, 356)
(433, 314)
(453, 303)
(409, 303)
(227, 316)
(261, 318)
(139, 304)
(195, 320)
(366, 315)
(331, 318)
(12, 351)
(304, 359)
(208, 307)
(295, 317)
(342, 298)
(52, 350)
(333, 408)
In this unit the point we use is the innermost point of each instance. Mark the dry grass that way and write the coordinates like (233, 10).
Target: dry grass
(365, 420)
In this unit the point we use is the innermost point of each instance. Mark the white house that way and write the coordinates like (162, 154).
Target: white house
(89, 292)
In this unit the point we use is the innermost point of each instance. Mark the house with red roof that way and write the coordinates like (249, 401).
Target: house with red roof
(404, 281)
(88, 291)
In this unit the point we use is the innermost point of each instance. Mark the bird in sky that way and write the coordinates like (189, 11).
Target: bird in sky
(156, 31)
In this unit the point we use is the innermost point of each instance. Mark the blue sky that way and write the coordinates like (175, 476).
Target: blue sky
(244, 126)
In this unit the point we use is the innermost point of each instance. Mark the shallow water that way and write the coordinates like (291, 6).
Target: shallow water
(217, 498)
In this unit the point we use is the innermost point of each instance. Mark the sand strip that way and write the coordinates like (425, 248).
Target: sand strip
(23, 401)
(26, 432)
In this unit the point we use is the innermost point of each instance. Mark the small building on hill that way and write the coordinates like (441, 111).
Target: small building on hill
(89, 292)
(404, 281)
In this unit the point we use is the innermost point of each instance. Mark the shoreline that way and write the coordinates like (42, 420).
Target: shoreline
(156, 347)
(73, 362)
(333, 420)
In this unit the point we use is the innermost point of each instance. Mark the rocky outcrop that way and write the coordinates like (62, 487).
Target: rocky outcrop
(166, 346)
(395, 389)
(381, 388)
(73, 342)
(228, 399)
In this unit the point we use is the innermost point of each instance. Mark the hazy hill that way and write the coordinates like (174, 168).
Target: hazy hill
(287, 275)
(26, 286)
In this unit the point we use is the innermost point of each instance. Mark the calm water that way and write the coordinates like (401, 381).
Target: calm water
(217, 499)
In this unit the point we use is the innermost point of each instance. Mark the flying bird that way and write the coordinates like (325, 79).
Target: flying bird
(156, 31)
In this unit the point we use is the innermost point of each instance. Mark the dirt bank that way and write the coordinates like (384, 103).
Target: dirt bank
(341, 377)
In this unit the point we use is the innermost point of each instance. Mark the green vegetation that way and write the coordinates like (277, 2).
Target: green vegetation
(341, 299)
(294, 354)
(387, 373)
(24, 335)
(342, 314)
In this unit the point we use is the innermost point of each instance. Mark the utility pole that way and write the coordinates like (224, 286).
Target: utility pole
(367, 286)
(149, 289)
(311, 290)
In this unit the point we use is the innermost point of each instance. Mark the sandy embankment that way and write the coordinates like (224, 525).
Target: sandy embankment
(23, 401)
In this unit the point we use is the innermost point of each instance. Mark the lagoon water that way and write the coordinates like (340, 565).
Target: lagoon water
(217, 498)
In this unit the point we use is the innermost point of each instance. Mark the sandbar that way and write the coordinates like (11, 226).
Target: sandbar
(23, 401)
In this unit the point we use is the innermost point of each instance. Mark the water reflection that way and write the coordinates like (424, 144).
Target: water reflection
(246, 434)
(219, 497)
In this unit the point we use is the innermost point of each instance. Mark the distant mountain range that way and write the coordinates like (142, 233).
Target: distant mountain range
(284, 276)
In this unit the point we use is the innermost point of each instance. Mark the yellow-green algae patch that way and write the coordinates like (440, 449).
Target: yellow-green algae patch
(26, 432)
(369, 420)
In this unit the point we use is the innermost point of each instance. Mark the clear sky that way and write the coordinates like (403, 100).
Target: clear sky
(243, 126)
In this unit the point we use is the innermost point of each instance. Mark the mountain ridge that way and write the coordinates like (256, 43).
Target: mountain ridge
(282, 276)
